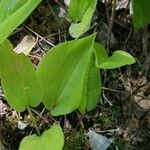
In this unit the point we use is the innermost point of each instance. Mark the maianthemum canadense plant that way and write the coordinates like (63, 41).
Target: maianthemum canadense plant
(67, 77)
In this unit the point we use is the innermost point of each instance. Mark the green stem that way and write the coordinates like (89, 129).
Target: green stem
(33, 120)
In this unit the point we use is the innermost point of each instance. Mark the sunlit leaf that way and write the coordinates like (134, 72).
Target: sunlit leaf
(77, 9)
(118, 59)
(62, 71)
(81, 11)
(52, 139)
(15, 19)
(92, 87)
(18, 79)
(6, 7)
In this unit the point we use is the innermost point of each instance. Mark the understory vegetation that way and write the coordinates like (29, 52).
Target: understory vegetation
(74, 75)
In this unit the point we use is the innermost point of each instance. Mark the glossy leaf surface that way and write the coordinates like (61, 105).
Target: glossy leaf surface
(77, 9)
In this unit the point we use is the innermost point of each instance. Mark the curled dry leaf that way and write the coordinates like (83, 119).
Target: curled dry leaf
(26, 45)
(145, 104)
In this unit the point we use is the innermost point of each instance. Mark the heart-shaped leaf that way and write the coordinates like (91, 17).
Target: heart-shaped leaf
(18, 79)
(118, 59)
(100, 53)
(52, 139)
(62, 71)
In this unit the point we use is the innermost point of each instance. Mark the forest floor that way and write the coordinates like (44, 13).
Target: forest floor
(123, 114)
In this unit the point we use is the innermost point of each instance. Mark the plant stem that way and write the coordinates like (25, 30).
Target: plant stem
(33, 120)
(111, 22)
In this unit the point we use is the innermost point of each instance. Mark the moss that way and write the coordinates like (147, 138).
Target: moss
(75, 140)
(118, 143)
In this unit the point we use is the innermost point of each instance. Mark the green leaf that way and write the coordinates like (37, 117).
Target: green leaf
(77, 9)
(101, 53)
(52, 139)
(92, 87)
(7, 7)
(141, 12)
(16, 18)
(17, 5)
(62, 71)
(18, 79)
(83, 12)
(118, 59)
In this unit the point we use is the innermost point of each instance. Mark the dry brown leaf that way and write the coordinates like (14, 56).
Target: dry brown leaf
(26, 45)
(145, 104)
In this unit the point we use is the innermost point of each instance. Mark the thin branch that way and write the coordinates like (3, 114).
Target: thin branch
(39, 36)
(33, 120)
(107, 99)
(111, 22)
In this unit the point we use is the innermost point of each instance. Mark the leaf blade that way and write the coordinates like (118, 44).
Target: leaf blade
(58, 71)
(141, 15)
(118, 59)
(14, 20)
(19, 82)
(81, 11)
(50, 140)
(92, 87)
